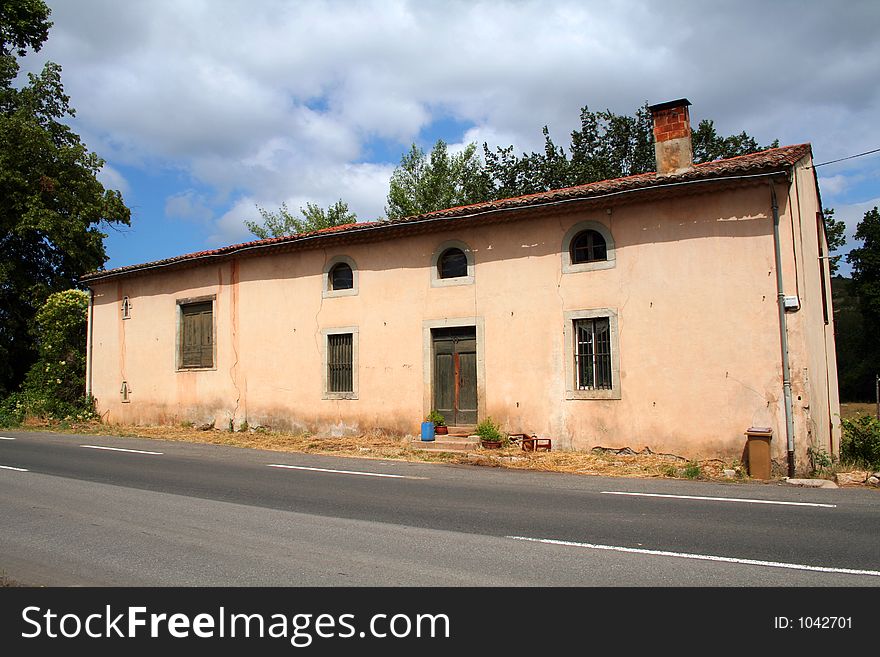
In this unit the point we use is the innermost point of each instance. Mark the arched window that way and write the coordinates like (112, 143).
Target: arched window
(452, 264)
(588, 246)
(341, 277)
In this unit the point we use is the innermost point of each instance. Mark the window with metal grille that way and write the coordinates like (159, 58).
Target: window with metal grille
(588, 246)
(452, 264)
(339, 362)
(592, 354)
(197, 335)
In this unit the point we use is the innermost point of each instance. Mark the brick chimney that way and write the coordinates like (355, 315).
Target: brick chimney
(672, 136)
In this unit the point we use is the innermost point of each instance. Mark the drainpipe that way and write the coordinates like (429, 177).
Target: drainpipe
(783, 334)
(90, 333)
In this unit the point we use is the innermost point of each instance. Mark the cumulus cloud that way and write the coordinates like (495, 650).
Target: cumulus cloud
(269, 101)
(188, 205)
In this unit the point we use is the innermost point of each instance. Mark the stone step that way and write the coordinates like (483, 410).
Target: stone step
(448, 443)
(461, 430)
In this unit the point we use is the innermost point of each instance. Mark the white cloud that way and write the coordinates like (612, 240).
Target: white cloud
(272, 100)
(111, 178)
(188, 205)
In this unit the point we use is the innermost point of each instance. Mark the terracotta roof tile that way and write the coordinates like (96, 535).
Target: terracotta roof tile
(775, 159)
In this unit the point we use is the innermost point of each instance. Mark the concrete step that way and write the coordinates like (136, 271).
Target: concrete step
(461, 430)
(448, 443)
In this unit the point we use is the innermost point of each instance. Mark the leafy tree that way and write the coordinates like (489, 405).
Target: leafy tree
(55, 383)
(423, 183)
(835, 232)
(51, 202)
(281, 223)
(606, 146)
(709, 145)
(60, 331)
(865, 261)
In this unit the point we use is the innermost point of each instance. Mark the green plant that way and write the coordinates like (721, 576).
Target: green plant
(436, 418)
(692, 470)
(488, 430)
(819, 458)
(860, 444)
(244, 426)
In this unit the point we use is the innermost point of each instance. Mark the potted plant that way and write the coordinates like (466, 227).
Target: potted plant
(490, 434)
(439, 421)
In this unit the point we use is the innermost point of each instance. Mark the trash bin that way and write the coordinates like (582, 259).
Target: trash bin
(758, 451)
(427, 431)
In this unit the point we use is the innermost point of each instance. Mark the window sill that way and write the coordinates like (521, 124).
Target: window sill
(330, 294)
(196, 369)
(593, 394)
(339, 395)
(448, 282)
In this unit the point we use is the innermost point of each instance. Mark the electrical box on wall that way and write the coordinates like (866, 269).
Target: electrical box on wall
(791, 303)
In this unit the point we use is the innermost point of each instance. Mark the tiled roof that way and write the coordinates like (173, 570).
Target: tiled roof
(772, 160)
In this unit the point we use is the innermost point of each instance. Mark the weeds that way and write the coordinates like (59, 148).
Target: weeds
(860, 444)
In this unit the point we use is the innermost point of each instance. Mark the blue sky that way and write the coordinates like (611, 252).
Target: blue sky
(204, 110)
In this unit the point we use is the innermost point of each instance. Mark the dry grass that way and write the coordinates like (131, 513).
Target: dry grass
(852, 409)
(379, 445)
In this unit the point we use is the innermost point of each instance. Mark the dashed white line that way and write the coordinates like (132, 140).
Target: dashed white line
(9, 467)
(721, 499)
(6, 438)
(348, 472)
(120, 449)
(702, 557)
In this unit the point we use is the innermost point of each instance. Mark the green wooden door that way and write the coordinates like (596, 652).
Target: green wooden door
(455, 374)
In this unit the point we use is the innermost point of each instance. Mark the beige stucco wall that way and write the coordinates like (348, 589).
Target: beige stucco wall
(693, 287)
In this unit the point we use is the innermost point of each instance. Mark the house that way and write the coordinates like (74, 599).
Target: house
(673, 310)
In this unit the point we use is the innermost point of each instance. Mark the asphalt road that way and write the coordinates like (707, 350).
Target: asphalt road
(190, 514)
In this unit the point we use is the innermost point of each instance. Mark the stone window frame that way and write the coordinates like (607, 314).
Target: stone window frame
(568, 333)
(355, 360)
(568, 267)
(436, 281)
(327, 290)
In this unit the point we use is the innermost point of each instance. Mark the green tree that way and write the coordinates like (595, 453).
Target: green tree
(709, 145)
(59, 374)
(423, 183)
(606, 146)
(51, 202)
(865, 261)
(835, 233)
(283, 222)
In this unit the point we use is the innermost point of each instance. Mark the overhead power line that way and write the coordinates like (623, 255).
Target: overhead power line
(876, 150)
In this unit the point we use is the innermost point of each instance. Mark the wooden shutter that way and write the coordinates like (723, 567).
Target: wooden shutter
(197, 339)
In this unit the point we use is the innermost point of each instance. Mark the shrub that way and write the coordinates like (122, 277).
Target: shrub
(53, 388)
(488, 430)
(692, 470)
(860, 444)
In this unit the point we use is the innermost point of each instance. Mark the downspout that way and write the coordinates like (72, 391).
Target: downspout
(90, 333)
(783, 335)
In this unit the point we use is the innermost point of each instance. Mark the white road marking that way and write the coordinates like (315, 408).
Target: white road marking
(6, 438)
(348, 472)
(119, 449)
(702, 557)
(721, 499)
(9, 467)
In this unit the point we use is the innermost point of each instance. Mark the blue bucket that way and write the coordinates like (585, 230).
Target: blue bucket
(427, 431)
